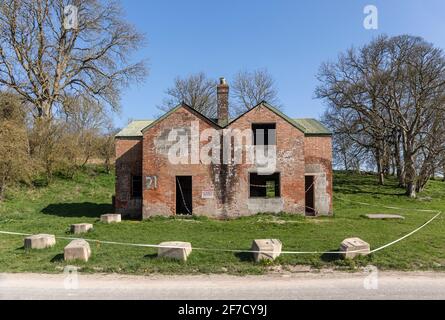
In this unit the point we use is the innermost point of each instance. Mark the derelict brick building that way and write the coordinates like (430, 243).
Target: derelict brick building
(149, 184)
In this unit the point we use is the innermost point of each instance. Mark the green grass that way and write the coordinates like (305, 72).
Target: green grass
(52, 209)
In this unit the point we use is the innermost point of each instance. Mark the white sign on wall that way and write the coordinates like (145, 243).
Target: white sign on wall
(208, 194)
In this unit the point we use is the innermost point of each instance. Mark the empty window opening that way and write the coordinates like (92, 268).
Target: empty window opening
(310, 195)
(264, 134)
(265, 186)
(184, 195)
(136, 187)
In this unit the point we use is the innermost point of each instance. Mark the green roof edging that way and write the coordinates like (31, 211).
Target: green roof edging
(310, 127)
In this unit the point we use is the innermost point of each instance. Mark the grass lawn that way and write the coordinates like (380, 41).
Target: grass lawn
(52, 209)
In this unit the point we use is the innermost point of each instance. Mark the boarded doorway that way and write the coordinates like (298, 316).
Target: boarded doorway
(310, 189)
(184, 195)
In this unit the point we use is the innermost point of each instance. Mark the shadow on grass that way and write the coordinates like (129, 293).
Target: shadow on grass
(85, 209)
(330, 256)
(58, 258)
(244, 256)
(151, 256)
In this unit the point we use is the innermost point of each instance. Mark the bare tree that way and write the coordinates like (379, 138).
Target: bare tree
(352, 87)
(443, 170)
(251, 88)
(196, 90)
(46, 59)
(349, 150)
(392, 92)
(84, 113)
(248, 89)
(106, 147)
(85, 119)
(417, 97)
(15, 162)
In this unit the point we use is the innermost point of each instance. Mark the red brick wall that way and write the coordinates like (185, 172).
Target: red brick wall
(290, 164)
(162, 200)
(128, 163)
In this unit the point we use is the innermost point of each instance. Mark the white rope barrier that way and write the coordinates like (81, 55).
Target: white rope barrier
(439, 213)
(248, 251)
(408, 235)
(177, 247)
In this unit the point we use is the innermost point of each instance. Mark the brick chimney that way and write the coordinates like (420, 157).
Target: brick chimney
(223, 102)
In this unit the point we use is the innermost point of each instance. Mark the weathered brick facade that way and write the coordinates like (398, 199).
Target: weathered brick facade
(160, 199)
(318, 163)
(221, 190)
(290, 165)
(128, 164)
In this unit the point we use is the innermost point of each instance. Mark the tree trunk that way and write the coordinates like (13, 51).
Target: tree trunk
(411, 190)
(357, 168)
(401, 176)
(393, 167)
(380, 168)
(409, 166)
(107, 165)
(400, 172)
(410, 177)
(44, 109)
(87, 158)
(382, 178)
(421, 187)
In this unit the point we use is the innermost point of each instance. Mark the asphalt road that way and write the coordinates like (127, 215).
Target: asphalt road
(324, 285)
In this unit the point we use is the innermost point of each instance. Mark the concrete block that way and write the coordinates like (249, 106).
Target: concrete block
(111, 218)
(40, 241)
(259, 205)
(77, 250)
(175, 250)
(268, 249)
(383, 216)
(353, 247)
(81, 228)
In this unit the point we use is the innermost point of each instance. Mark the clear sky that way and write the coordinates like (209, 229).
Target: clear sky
(290, 38)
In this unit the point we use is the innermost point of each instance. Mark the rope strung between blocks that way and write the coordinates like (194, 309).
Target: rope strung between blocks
(397, 208)
(251, 251)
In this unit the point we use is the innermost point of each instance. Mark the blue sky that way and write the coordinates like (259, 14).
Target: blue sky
(289, 38)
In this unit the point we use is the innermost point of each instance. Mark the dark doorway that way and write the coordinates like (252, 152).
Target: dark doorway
(310, 203)
(184, 195)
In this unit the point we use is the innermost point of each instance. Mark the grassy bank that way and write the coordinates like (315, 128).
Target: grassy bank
(52, 209)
